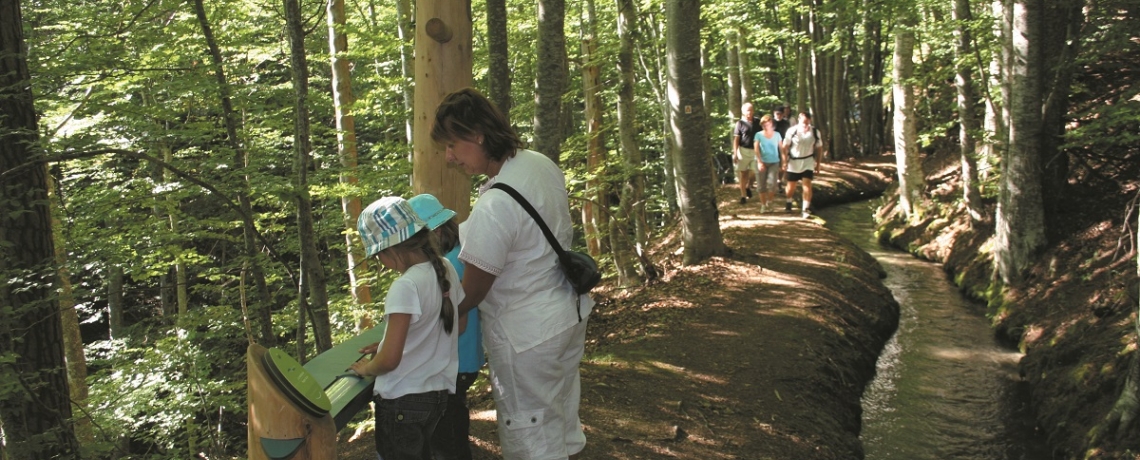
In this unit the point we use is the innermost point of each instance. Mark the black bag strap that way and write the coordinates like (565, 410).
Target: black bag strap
(534, 214)
(545, 231)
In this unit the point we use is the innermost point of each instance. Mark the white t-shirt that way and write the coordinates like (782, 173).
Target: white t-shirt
(802, 146)
(530, 299)
(431, 356)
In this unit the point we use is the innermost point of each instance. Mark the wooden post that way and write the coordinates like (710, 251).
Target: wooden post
(443, 65)
(274, 417)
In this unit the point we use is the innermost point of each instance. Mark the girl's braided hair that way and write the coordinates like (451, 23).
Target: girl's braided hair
(427, 243)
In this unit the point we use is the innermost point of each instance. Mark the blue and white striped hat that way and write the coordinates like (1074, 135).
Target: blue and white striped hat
(387, 222)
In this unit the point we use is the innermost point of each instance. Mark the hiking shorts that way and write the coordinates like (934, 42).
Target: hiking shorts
(747, 163)
(537, 393)
(795, 177)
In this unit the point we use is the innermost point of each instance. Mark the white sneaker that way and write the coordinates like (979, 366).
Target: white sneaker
(806, 214)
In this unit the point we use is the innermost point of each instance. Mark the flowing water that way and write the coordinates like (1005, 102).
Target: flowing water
(945, 388)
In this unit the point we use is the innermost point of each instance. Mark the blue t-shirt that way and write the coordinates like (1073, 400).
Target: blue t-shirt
(769, 148)
(471, 357)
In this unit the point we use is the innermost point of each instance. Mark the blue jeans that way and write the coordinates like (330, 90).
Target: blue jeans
(404, 425)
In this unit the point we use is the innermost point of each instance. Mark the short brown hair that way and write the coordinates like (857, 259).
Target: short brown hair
(466, 114)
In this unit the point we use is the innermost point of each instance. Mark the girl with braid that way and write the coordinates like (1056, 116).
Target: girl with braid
(417, 362)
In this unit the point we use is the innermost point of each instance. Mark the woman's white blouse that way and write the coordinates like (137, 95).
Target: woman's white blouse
(530, 297)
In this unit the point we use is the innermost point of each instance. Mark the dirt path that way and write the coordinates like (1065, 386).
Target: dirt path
(759, 355)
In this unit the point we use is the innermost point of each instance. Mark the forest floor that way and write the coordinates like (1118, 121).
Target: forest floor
(761, 354)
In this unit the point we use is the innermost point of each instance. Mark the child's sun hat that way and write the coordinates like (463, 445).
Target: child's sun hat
(431, 210)
(387, 222)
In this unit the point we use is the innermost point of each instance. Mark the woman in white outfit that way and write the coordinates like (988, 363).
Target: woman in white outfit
(533, 323)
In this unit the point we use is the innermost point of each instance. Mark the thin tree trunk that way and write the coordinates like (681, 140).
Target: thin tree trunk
(632, 183)
(1065, 20)
(261, 305)
(35, 410)
(871, 97)
(498, 58)
(346, 149)
(72, 338)
(593, 217)
(966, 115)
(906, 138)
(1020, 229)
(699, 222)
(746, 94)
(550, 78)
(735, 91)
(314, 271)
(404, 32)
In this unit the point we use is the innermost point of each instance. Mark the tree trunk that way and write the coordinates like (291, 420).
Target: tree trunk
(870, 96)
(735, 92)
(593, 215)
(1020, 230)
(443, 65)
(35, 410)
(746, 94)
(498, 58)
(72, 338)
(346, 150)
(262, 304)
(695, 193)
(968, 121)
(1060, 47)
(632, 182)
(906, 137)
(404, 31)
(550, 78)
(311, 266)
(115, 304)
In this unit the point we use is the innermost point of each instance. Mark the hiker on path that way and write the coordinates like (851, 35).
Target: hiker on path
(743, 156)
(768, 147)
(803, 152)
(534, 324)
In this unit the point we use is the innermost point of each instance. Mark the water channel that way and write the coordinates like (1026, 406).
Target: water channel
(945, 388)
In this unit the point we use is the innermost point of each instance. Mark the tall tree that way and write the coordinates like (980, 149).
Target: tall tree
(312, 270)
(593, 215)
(35, 410)
(967, 119)
(498, 57)
(346, 148)
(700, 226)
(910, 171)
(550, 78)
(1020, 230)
(631, 182)
(735, 91)
(240, 162)
(870, 81)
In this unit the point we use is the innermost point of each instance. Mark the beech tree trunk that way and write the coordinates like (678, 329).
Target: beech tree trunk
(632, 181)
(35, 410)
(346, 149)
(404, 31)
(871, 77)
(240, 162)
(911, 176)
(498, 59)
(695, 193)
(1020, 229)
(735, 92)
(312, 269)
(746, 94)
(550, 78)
(968, 122)
(594, 218)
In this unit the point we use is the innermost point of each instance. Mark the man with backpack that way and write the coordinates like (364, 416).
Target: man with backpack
(803, 149)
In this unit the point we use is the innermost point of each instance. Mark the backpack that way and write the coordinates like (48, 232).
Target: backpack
(815, 136)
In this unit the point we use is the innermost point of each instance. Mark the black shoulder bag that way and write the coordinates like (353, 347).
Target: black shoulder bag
(580, 269)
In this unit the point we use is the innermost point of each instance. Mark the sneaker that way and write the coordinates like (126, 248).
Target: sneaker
(763, 208)
(749, 192)
(788, 206)
(743, 199)
(806, 214)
